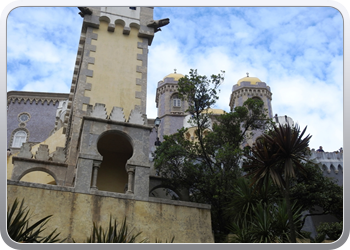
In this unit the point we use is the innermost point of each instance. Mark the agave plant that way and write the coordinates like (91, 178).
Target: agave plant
(19, 230)
(241, 232)
(113, 234)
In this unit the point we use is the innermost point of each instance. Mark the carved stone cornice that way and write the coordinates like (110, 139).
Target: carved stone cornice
(13, 96)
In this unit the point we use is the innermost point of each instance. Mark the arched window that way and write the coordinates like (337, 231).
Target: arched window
(176, 101)
(256, 98)
(19, 138)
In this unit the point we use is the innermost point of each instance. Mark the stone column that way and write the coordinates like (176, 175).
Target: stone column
(84, 173)
(131, 171)
(96, 166)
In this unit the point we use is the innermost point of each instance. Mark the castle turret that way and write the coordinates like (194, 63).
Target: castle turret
(171, 108)
(251, 87)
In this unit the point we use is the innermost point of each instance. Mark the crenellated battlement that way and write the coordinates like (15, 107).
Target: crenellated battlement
(329, 161)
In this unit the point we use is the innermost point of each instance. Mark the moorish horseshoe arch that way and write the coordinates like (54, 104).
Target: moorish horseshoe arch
(116, 148)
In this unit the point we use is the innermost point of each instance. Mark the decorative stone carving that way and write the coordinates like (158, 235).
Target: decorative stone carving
(117, 114)
(99, 111)
(136, 117)
(126, 31)
(84, 11)
(156, 24)
(59, 155)
(26, 150)
(111, 27)
(42, 153)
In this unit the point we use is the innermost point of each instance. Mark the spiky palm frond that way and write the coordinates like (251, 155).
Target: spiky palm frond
(241, 232)
(113, 234)
(276, 156)
(19, 230)
(291, 146)
(262, 164)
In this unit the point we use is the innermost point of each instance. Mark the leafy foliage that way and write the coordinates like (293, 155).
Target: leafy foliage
(314, 190)
(260, 217)
(206, 169)
(278, 155)
(19, 230)
(332, 230)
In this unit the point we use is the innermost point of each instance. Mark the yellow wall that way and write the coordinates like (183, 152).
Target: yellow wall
(114, 70)
(73, 214)
(35, 176)
(56, 140)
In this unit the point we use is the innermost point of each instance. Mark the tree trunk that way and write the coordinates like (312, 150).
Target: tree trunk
(290, 213)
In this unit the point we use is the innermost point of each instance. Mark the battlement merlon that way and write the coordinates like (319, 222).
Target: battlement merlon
(138, 17)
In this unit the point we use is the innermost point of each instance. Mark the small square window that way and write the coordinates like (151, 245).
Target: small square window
(132, 8)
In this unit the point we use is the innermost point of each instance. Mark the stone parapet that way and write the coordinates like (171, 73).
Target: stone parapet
(329, 160)
(188, 222)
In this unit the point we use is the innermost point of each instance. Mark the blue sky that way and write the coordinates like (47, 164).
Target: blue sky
(297, 51)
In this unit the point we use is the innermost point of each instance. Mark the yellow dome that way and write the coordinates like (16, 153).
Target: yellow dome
(216, 111)
(176, 76)
(252, 80)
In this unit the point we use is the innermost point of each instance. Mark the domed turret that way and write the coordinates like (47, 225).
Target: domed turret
(252, 80)
(171, 107)
(175, 75)
(251, 87)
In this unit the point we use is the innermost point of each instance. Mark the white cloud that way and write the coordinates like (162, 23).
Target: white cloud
(297, 51)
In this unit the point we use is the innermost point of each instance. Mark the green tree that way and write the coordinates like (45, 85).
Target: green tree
(206, 168)
(316, 193)
(332, 230)
(278, 155)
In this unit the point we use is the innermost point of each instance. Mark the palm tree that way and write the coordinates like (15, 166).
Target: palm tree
(277, 155)
(19, 230)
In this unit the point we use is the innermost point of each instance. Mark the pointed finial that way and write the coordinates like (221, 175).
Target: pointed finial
(174, 71)
(247, 74)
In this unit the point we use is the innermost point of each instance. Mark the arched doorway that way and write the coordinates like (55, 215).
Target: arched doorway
(116, 148)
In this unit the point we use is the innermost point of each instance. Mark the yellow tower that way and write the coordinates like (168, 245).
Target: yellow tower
(110, 77)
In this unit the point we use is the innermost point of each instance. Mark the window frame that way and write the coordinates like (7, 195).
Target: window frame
(18, 140)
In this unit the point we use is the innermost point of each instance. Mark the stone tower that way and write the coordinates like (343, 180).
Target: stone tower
(106, 122)
(251, 87)
(171, 109)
